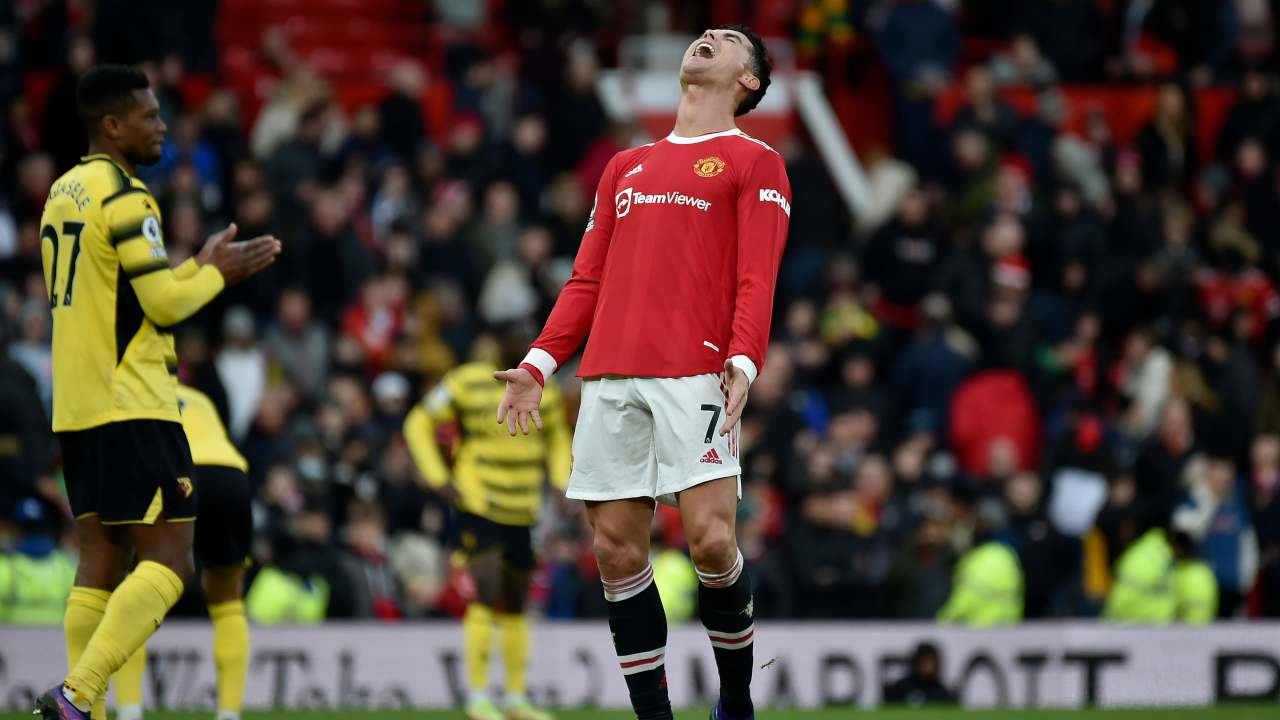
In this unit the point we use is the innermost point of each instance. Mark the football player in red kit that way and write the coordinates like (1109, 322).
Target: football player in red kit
(672, 290)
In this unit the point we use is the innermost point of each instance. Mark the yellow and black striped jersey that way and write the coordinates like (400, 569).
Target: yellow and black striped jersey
(497, 476)
(113, 296)
(207, 436)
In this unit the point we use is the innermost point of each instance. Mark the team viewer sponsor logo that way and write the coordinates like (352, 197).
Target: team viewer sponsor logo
(773, 196)
(625, 200)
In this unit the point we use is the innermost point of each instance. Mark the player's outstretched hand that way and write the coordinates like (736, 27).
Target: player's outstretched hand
(737, 400)
(521, 400)
(238, 261)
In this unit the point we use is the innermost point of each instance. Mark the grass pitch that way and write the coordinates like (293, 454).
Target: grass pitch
(1232, 712)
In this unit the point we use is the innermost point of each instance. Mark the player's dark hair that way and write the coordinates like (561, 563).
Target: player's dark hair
(107, 90)
(760, 65)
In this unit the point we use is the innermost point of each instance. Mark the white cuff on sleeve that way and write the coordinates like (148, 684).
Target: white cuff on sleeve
(748, 368)
(542, 360)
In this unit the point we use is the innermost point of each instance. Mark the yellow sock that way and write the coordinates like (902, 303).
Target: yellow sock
(85, 607)
(477, 638)
(230, 653)
(128, 680)
(514, 636)
(133, 613)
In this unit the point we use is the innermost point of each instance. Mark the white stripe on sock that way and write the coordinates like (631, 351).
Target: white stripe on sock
(642, 661)
(733, 641)
(626, 588)
(724, 579)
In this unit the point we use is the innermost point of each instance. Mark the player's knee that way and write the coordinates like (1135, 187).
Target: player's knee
(98, 571)
(486, 573)
(713, 547)
(179, 563)
(618, 558)
(183, 565)
(223, 584)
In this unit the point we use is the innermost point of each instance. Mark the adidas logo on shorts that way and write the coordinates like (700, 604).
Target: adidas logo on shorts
(712, 457)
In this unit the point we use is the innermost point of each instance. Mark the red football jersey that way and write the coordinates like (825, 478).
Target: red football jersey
(678, 264)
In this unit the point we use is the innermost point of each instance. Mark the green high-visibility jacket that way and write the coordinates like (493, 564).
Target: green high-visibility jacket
(279, 598)
(34, 590)
(1196, 589)
(677, 583)
(1143, 590)
(987, 588)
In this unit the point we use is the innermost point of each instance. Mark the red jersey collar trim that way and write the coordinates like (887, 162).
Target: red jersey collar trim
(678, 140)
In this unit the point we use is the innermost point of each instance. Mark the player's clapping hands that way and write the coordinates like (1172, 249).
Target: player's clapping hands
(238, 261)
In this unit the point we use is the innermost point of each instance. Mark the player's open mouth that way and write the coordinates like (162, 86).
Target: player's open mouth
(704, 49)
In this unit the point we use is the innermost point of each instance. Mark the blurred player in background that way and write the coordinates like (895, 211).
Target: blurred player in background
(497, 486)
(224, 532)
(674, 283)
(115, 406)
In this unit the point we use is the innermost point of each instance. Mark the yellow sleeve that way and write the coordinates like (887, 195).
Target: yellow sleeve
(187, 269)
(559, 440)
(166, 297)
(420, 435)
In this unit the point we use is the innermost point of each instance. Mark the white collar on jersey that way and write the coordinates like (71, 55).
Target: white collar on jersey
(678, 140)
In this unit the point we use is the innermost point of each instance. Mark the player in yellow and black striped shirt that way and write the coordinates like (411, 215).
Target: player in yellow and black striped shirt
(126, 462)
(224, 532)
(498, 483)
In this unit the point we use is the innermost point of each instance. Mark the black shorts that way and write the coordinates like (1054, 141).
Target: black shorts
(477, 534)
(129, 472)
(225, 527)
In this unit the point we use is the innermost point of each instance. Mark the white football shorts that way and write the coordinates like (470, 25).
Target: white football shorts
(651, 437)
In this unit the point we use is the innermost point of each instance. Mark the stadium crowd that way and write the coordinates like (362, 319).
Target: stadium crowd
(1054, 340)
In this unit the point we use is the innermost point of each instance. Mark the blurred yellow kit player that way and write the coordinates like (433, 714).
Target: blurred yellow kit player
(224, 532)
(498, 485)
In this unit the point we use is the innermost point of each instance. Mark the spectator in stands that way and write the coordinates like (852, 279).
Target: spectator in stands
(902, 263)
(60, 129)
(988, 586)
(1216, 517)
(35, 574)
(375, 320)
(918, 43)
(1256, 114)
(24, 429)
(1162, 460)
(31, 349)
(1144, 591)
(1167, 143)
(1022, 64)
(335, 263)
(1068, 32)
(366, 564)
(400, 114)
(939, 358)
(922, 684)
(986, 112)
(920, 581)
(1194, 585)
(242, 367)
(577, 114)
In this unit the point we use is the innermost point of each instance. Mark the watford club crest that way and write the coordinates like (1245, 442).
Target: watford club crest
(709, 166)
(185, 487)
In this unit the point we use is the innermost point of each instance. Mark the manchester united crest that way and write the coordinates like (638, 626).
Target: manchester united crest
(709, 166)
(185, 487)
